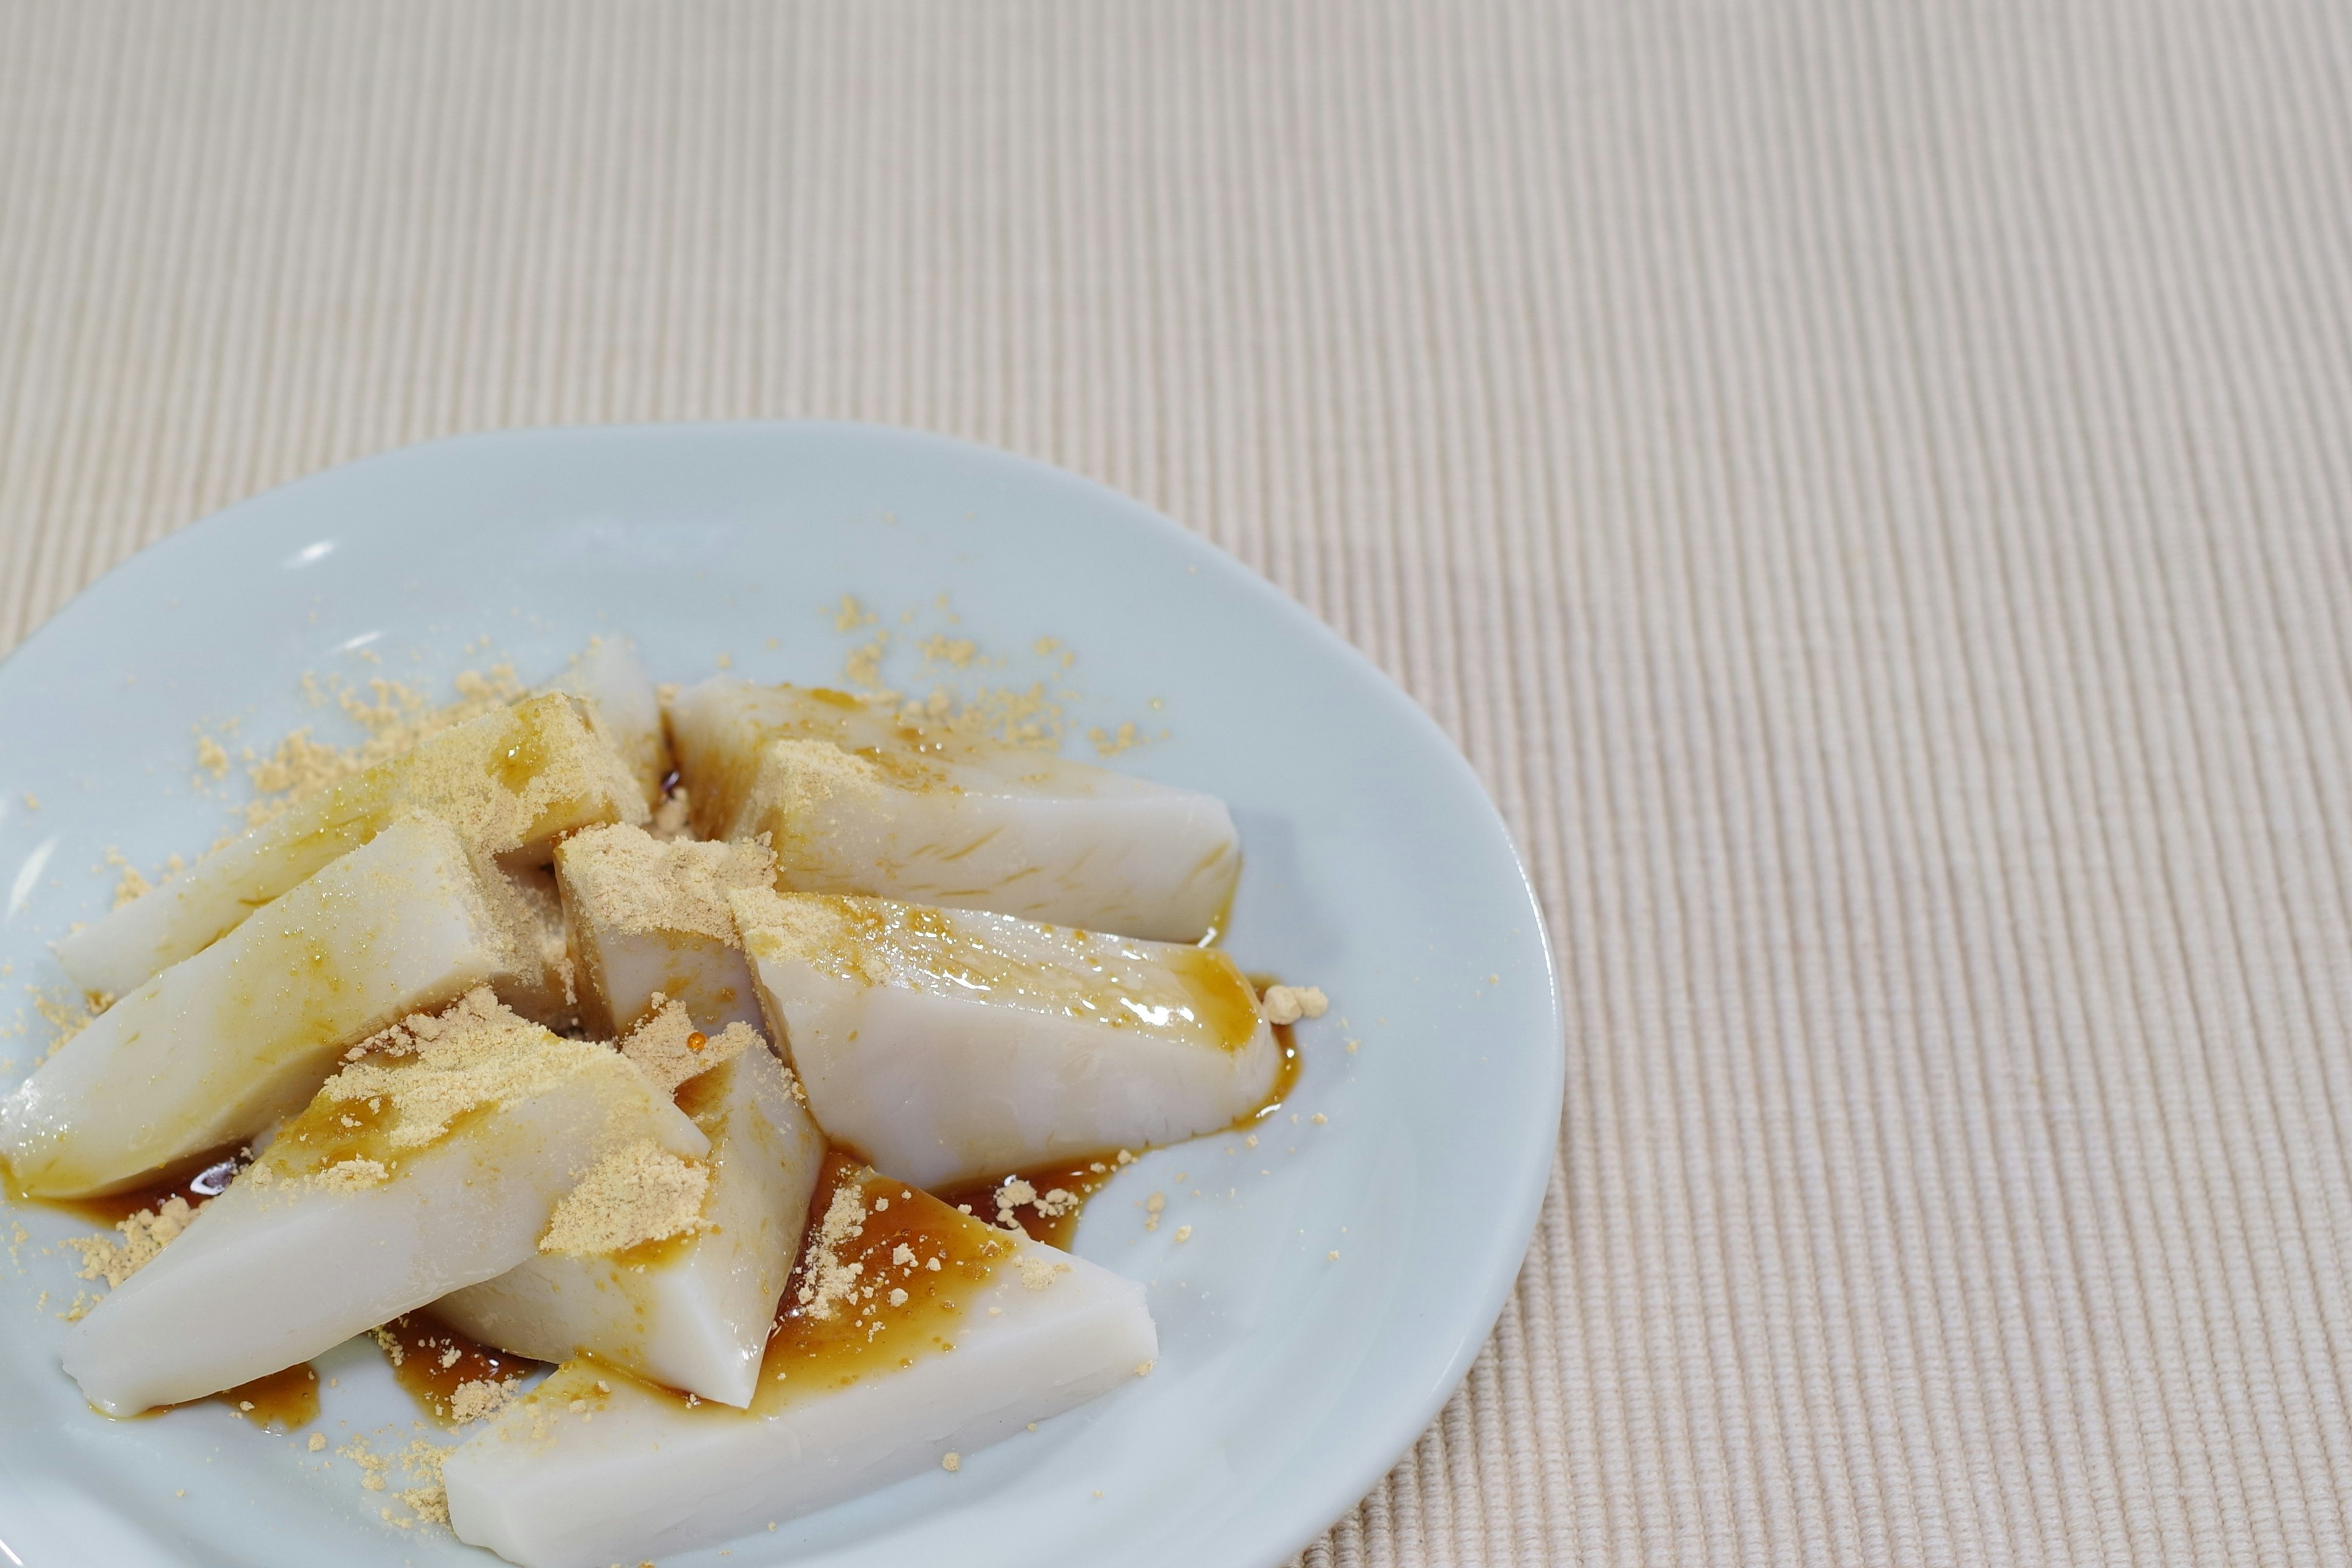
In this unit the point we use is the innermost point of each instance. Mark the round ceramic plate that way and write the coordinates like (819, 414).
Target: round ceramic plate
(1339, 1274)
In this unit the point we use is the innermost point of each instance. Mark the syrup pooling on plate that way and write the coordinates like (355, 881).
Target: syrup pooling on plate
(1044, 1201)
(283, 1400)
(210, 1177)
(884, 1276)
(451, 1377)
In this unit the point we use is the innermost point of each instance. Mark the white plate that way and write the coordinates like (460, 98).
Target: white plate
(1376, 867)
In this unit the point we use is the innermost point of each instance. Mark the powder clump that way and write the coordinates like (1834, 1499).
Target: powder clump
(823, 929)
(1288, 1003)
(430, 1069)
(481, 1397)
(144, 1235)
(395, 718)
(829, 1282)
(405, 1087)
(353, 1176)
(632, 882)
(1037, 1273)
(641, 1193)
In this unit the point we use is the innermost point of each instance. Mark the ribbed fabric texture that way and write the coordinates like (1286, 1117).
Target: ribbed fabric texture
(1866, 484)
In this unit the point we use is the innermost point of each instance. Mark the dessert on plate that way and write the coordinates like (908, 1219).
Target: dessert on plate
(650, 1033)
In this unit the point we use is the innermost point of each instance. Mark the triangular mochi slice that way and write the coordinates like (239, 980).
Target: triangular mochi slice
(685, 1295)
(882, 1364)
(533, 906)
(651, 918)
(432, 1162)
(946, 1044)
(862, 797)
(508, 782)
(608, 673)
(217, 1047)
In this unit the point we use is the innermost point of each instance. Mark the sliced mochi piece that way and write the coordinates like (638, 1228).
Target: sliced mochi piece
(219, 1046)
(946, 1044)
(431, 1162)
(508, 782)
(911, 1333)
(608, 673)
(532, 907)
(651, 919)
(676, 1282)
(860, 797)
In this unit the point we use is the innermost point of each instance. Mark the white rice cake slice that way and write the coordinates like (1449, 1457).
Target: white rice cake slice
(938, 1335)
(946, 1044)
(433, 1162)
(533, 906)
(217, 1047)
(508, 782)
(608, 673)
(651, 918)
(689, 1308)
(856, 797)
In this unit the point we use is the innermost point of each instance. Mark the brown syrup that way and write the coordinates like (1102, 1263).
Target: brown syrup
(1285, 1078)
(1222, 1000)
(206, 1178)
(864, 1335)
(283, 1401)
(522, 762)
(329, 1133)
(1079, 1180)
(419, 1348)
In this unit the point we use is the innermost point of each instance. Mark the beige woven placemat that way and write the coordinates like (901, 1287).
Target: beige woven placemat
(1866, 484)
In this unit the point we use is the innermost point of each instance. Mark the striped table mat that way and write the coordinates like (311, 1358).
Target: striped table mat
(1866, 484)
